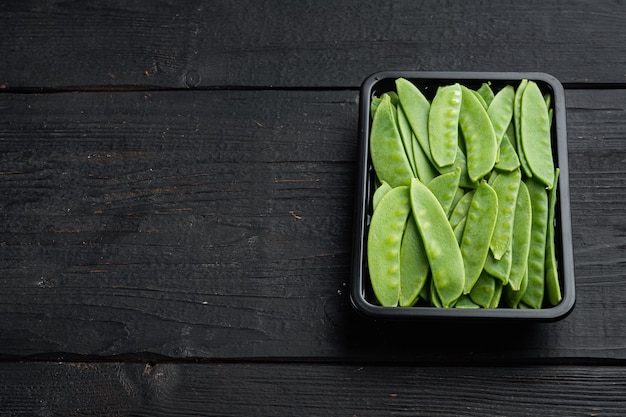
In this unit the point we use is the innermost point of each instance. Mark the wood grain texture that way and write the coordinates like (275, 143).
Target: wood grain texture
(90, 44)
(218, 225)
(118, 389)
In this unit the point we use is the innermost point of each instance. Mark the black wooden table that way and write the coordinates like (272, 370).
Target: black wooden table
(176, 205)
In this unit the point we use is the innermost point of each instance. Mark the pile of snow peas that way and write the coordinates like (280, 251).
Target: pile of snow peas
(464, 205)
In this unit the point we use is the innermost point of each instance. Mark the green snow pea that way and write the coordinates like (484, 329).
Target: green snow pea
(481, 220)
(444, 187)
(480, 99)
(482, 292)
(533, 297)
(374, 105)
(500, 111)
(486, 93)
(513, 297)
(413, 265)
(480, 139)
(459, 229)
(521, 237)
(416, 107)
(433, 296)
(459, 212)
(443, 124)
(509, 160)
(506, 186)
(406, 133)
(517, 120)
(497, 295)
(500, 268)
(376, 101)
(535, 133)
(425, 293)
(442, 250)
(386, 148)
(548, 99)
(460, 192)
(492, 177)
(553, 288)
(424, 169)
(384, 243)
(465, 301)
(459, 162)
(379, 193)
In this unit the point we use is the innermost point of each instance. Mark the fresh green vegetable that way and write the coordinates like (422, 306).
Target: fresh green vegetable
(443, 124)
(521, 238)
(384, 243)
(480, 138)
(506, 186)
(533, 297)
(386, 147)
(465, 210)
(444, 255)
(553, 289)
(414, 265)
(444, 187)
(481, 220)
(535, 133)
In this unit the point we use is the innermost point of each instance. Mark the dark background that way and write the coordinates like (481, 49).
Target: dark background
(176, 206)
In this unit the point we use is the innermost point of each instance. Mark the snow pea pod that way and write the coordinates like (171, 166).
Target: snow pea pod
(406, 133)
(442, 250)
(465, 301)
(460, 192)
(533, 297)
(413, 265)
(384, 243)
(459, 229)
(386, 147)
(517, 120)
(461, 163)
(443, 124)
(506, 186)
(444, 187)
(424, 169)
(416, 107)
(548, 99)
(481, 220)
(459, 212)
(513, 297)
(379, 193)
(535, 133)
(425, 293)
(482, 292)
(376, 101)
(521, 237)
(509, 160)
(480, 99)
(500, 268)
(374, 105)
(480, 139)
(553, 288)
(486, 93)
(434, 296)
(497, 295)
(500, 111)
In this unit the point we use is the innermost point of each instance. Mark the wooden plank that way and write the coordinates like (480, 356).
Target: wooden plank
(218, 225)
(293, 44)
(120, 389)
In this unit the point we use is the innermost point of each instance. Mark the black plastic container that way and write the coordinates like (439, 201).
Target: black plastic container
(361, 293)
